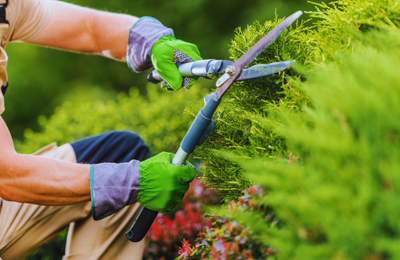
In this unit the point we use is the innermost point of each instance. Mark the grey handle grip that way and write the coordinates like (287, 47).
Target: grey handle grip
(201, 68)
(141, 225)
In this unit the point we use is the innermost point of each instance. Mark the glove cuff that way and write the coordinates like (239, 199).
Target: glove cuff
(143, 34)
(113, 186)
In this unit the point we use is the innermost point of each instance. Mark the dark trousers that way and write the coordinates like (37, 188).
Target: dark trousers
(115, 146)
(25, 227)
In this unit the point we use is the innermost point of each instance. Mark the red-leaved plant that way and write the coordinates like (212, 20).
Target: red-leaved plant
(168, 230)
(205, 238)
(227, 239)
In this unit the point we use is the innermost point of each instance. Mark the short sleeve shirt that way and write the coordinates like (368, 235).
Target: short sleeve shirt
(27, 19)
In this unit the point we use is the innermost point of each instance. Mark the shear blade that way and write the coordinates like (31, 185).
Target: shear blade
(254, 51)
(262, 70)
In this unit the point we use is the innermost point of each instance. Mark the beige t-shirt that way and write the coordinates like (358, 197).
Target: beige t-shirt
(27, 19)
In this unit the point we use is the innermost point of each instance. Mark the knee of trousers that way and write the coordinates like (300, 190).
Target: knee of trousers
(113, 146)
(127, 136)
(127, 139)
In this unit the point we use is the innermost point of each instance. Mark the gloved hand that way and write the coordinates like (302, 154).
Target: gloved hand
(165, 53)
(151, 43)
(155, 183)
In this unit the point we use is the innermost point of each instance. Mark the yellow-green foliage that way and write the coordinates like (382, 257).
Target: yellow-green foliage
(341, 26)
(339, 198)
(158, 118)
(340, 21)
(237, 120)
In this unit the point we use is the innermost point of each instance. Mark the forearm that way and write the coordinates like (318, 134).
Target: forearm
(39, 180)
(112, 37)
(80, 29)
(44, 181)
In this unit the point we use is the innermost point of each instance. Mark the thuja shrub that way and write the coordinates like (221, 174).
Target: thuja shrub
(237, 120)
(340, 26)
(334, 185)
(338, 195)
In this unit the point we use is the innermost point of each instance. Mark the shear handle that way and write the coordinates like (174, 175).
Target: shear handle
(201, 68)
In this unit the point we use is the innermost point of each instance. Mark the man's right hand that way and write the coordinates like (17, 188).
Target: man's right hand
(155, 183)
(166, 52)
(153, 44)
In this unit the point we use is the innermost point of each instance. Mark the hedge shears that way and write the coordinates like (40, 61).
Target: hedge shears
(203, 124)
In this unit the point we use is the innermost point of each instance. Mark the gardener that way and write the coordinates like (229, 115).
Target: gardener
(40, 194)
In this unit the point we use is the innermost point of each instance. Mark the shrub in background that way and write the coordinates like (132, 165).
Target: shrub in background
(159, 118)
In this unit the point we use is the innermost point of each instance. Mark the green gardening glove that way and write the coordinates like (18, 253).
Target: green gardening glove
(152, 44)
(163, 185)
(165, 53)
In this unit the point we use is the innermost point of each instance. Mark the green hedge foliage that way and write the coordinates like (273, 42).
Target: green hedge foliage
(335, 186)
(338, 194)
(338, 27)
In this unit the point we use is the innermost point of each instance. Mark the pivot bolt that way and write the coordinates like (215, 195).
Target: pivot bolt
(230, 70)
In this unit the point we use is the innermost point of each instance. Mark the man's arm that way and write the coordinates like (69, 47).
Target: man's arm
(80, 29)
(39, 180)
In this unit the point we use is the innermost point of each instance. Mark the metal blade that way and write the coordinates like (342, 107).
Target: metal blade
(262, 70)
(255, 50)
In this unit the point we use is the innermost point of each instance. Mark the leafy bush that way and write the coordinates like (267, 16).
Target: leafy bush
(341, 27)
(338, 197)
(237, 120)
(333, 181)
